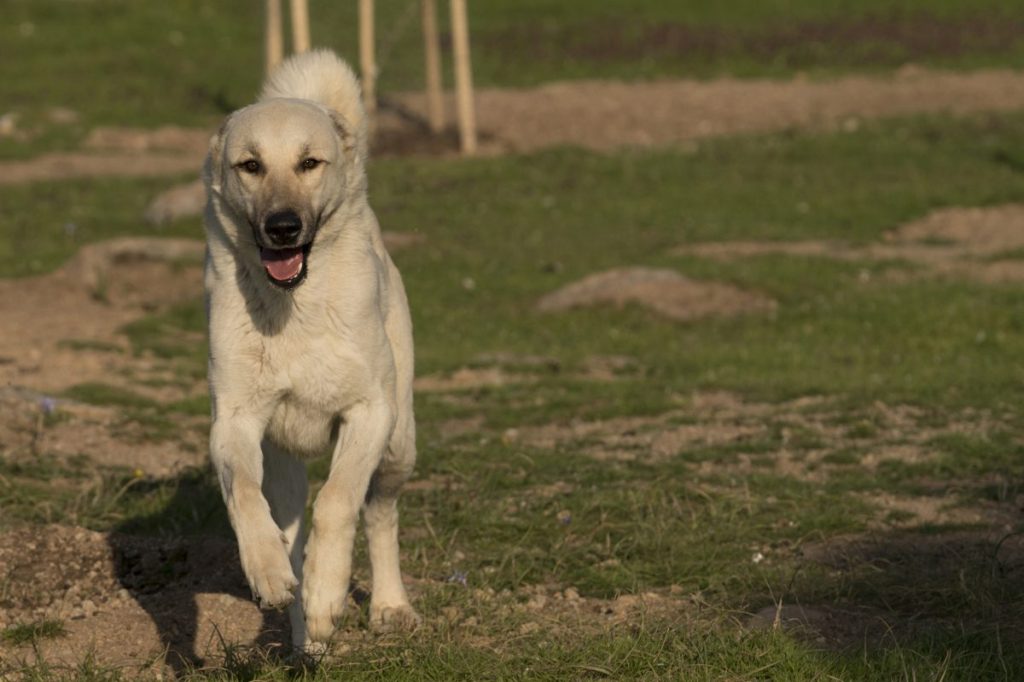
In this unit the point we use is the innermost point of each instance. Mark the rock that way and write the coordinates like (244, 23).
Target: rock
(180, 201)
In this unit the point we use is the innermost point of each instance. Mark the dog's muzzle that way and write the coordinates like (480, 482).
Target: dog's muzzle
(284, 258)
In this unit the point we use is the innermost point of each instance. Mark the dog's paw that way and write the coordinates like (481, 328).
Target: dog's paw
(270, 574)
(322, 616)
(309, 656)
(400, 618)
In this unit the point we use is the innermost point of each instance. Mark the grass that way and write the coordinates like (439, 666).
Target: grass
(867, 339)
(771, 502)
(48, 222)
(26, 633)
(189, 62)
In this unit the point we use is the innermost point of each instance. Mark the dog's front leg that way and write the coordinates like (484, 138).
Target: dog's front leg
(328, 565)
(262, 547)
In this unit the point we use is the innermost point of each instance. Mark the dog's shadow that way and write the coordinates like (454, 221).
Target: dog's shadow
(180, 564)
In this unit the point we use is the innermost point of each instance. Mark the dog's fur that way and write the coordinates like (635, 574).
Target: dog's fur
(323, 366)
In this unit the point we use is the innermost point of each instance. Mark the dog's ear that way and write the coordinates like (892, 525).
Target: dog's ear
(212, 167)
(353, 136)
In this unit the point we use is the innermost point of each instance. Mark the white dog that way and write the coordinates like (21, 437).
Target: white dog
(310, 347)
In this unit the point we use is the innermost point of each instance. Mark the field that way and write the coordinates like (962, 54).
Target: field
(720, 345)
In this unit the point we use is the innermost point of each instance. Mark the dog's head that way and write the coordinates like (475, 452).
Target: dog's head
(280, 169)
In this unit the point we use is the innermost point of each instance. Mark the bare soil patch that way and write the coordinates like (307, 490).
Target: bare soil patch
(605, 115)
(984, 243)
(151, 606)
(101, 289)
(599, 115)
(71, 165)
(666, 292)
(34, 427)
(792, 439)
(62, 330)
(173, 139)
(129, 600)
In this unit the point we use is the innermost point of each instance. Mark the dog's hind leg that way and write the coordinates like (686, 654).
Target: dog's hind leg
(389, 605)
(361, 443)
(286, 488)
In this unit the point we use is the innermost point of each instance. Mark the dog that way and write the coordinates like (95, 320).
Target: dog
(311, 348)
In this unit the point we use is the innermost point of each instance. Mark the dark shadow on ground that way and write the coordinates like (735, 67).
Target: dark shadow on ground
(956, 594)
(168, 558)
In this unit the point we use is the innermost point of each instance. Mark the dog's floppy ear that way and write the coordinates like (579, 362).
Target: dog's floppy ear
(212, 167)
(353, 136)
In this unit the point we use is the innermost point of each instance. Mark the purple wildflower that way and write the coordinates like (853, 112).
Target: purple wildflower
(458, 577)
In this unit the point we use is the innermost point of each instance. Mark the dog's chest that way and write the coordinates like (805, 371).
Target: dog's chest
(315, 385)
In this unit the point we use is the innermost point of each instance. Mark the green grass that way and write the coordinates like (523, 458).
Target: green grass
(26, 633)
(46, 223)
(907, 600)
(189, 62)
(105, 394)
(833, 332)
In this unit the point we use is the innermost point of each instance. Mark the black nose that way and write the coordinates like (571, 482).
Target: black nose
(283, 227)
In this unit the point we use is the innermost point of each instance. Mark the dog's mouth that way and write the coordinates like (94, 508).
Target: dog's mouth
(285, 267)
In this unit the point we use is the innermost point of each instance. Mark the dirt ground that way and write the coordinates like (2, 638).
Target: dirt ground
(130, 600)
(599, 115)
(984, 244)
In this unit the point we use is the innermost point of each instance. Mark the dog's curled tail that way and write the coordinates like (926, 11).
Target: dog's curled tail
(320, 76)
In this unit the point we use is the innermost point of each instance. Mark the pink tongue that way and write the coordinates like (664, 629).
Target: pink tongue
(282, 264)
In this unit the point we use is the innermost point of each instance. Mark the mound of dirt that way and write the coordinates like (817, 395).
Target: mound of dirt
(104, 287)
(129, 599)
(982, 243)
(981, 231)
(112, 275)
(666, 292)
(181, 201)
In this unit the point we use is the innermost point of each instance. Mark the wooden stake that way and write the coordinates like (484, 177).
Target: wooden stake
(300, 26)
(367, 60)
(432, 55)
(275, 39)
(463, 77)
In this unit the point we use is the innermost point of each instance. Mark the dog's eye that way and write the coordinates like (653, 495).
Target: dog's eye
(309, 164)
(251, 166)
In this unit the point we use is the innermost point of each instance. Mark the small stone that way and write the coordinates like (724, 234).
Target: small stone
(571, 594)
(527, 628)
(62, 115)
